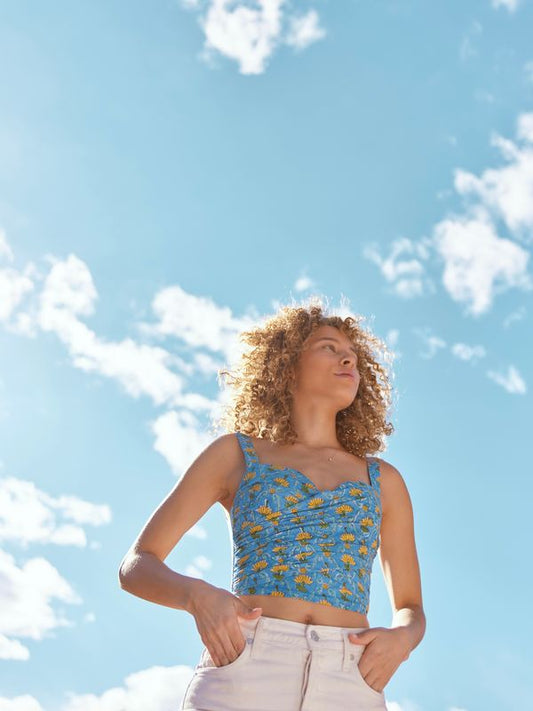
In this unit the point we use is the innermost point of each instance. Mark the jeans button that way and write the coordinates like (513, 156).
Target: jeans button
(314, 635)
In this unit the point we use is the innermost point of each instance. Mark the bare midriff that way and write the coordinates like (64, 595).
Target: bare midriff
(310, 613)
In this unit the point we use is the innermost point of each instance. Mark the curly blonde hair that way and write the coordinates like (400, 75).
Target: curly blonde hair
(261, 383)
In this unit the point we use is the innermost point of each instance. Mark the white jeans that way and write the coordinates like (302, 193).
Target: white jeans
(285, 666)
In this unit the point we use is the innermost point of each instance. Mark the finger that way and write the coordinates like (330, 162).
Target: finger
(226, 651)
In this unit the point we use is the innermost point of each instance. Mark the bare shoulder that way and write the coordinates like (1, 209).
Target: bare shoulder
(394, 490)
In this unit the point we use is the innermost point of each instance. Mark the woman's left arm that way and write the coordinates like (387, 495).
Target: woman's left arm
(398, 556)
(388, 647)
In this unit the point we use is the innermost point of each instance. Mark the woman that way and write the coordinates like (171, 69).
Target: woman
(309, 510)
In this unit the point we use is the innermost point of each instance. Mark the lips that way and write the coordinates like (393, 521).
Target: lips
(346, 375)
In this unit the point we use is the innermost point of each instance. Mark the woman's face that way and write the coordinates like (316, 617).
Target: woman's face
(326, 353)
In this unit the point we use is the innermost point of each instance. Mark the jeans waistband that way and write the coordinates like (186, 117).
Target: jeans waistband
(298, 634)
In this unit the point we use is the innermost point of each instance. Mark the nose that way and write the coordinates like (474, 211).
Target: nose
(349, 358)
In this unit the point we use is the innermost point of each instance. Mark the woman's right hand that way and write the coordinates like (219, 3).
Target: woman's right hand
(215, 611)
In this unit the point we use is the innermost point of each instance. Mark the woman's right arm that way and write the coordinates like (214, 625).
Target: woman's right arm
(142, 571)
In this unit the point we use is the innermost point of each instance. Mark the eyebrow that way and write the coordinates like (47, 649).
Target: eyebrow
(330, 338)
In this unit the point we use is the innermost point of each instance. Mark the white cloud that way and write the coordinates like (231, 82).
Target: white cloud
(14, 286)
(304, 283)
(69, 292)
(432, 343)
(157, 688)
(507, 191)
(477, 263)
(468, 353)
(304, 30)
(25, 603)
(20, 703)
(198, 566)
(511, 381)
(516, 315)
(179, 438)
(404, 266)
(510, 5)
(246, 34)
(249, 31)
(29, 515)
(196, 320)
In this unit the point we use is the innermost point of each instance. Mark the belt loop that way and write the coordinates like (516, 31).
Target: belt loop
(257, 636)
(345, 651)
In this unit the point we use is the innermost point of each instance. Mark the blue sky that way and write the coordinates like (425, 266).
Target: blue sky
(170, 173)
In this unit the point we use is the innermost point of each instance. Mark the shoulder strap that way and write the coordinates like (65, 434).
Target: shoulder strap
(374, 472)
(248, 449)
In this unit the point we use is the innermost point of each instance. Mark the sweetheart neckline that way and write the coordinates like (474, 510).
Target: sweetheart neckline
(271, 468)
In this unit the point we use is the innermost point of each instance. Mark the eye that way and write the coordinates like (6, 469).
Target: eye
(329, 345)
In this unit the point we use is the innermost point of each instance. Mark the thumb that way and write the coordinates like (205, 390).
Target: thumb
(358, 637)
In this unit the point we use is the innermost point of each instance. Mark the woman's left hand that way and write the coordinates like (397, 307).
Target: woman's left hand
(386, 649)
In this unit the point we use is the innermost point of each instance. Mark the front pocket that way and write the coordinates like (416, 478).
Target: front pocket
(206, 661)
(365, 683)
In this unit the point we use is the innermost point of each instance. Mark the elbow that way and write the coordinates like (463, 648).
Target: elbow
(124, 571)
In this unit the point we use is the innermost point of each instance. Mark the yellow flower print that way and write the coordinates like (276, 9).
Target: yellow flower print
(325, 602)
(343, 509)
(325, 571)
(245, 524)
(344, 591)
(303, 555)
(366, 523)
(278, 570)
(325, 586)
(291, 499)
(281, 481)
(255, 530)
(260, 565)
(347, 538)
(277, 593)
(363, 550)
(301, 581)
(360, 586)
(355, 491)
(297, 519)
(348, 561)
(303, 536)
(248, 476)
(264, 510)
(317, 501)
(274, 516)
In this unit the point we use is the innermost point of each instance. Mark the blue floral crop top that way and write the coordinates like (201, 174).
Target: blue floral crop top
(292, 539)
